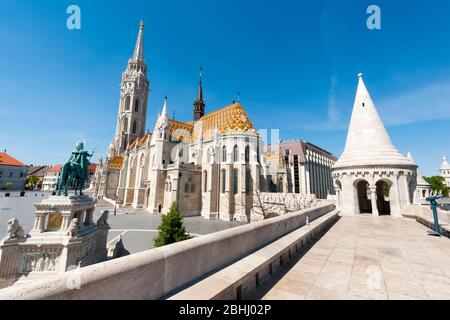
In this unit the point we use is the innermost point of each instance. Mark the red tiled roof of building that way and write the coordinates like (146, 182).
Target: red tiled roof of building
(92, 167)
(7, 160)
(54, 169)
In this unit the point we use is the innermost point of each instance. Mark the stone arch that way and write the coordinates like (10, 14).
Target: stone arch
(127, 102)
(383, 193)
(362, 198)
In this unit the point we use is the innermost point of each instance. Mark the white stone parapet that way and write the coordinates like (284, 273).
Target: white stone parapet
(156, 273)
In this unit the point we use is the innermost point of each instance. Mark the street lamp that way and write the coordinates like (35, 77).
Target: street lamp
(433, 202)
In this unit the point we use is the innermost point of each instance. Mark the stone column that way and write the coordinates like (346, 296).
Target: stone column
(66, 218)
(373, 198)
(39, 223)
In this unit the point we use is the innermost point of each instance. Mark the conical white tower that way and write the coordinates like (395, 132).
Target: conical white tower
(368, 142)
(371, 165)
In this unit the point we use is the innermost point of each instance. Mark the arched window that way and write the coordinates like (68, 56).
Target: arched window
(205, 181)
(125, 125)
(235, 181)
(186, 188)
(224, 154)
(235, 153)
(134, 127)
(136, 105)
(224, 180)
(192, 188)
(127, 103)
(247, 154)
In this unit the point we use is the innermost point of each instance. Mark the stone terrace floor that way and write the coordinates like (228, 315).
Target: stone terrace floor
(368, 258)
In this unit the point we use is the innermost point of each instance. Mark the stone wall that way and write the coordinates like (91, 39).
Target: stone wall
(158, 272)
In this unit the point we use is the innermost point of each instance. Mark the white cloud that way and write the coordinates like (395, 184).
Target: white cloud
(427, 103)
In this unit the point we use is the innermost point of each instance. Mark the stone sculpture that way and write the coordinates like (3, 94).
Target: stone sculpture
(75, 171)
(14, 231)
(72, 231)
(103, 220)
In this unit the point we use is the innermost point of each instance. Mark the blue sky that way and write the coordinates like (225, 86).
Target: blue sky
(294, 62)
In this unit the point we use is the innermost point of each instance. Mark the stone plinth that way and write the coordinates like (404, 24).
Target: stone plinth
(63, 237)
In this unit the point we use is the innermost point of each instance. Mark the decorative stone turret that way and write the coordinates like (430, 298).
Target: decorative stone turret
(445, 171)
(64, 236)
(372, 176)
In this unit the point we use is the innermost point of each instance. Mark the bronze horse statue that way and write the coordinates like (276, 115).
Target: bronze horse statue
(75, 171)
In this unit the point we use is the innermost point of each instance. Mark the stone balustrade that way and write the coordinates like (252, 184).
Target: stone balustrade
(159, 272)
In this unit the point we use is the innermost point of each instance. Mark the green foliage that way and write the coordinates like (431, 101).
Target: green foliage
(171, 229)
(437, 184)
(7, 184)
(32, 182)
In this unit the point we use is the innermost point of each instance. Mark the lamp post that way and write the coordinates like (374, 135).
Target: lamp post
(433, 202)
(115, 205)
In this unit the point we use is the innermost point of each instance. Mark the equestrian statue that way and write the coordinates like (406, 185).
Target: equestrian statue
(75, 171)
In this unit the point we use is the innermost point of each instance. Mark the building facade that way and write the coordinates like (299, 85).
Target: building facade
(210, 165)
(51, 177)
(445, 171)
(39, 172)
(372, 176)
(300, 167)
(13, 173)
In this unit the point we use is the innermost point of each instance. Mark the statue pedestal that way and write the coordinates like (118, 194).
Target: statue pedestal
(63, 237)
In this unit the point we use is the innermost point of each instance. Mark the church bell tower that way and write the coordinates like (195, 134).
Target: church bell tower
(133, 100)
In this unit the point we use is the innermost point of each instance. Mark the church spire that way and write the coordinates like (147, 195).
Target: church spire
(199, 103)
(139, 49)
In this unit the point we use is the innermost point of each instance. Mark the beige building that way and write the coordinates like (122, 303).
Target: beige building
(372, 176)
(298, 166)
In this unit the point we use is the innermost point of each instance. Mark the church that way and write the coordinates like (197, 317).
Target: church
(209, 165)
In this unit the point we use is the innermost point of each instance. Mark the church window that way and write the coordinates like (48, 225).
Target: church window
(363, 104)
(136, 105)
(205, 181)
(134, 127)
(224, 180)
(224, 154)
(247, 154)
(235, 181)
(192, 188)
(125, 125)
(235, 154)
(186, 188)
(127, 103)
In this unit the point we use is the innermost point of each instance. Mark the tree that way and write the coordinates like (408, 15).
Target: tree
(7, 185)
(171, 229)
(437, 184)
(32, 182)
(264, 209)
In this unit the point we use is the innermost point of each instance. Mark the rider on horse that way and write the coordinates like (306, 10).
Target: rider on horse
(75, 171)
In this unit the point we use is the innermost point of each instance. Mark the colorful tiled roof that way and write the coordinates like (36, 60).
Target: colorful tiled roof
(7, 160)
(116, 162)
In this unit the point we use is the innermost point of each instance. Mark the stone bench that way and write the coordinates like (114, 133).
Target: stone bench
(240, 278)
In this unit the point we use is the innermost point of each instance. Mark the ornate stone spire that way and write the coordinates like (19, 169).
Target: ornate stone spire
(368, 142)
(445, 164)
(199, 103)
(139, 49)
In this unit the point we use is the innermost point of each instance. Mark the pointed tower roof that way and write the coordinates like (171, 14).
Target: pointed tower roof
(420, 180)
(445, 165)
(139, 49)
(368, 142)
(164, 113)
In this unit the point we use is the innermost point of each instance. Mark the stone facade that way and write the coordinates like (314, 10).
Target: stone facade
(208, 165)
(300, 167)
(13, 173)
(445, 171)
(64, 237)
(372, 176)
